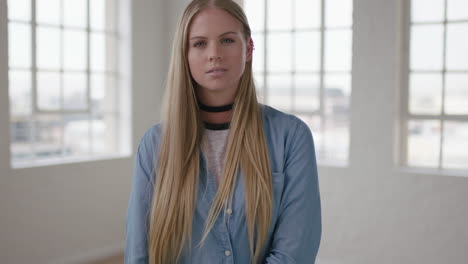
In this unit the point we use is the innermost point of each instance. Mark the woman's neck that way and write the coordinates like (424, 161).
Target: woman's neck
(216, 118)
(215, 110)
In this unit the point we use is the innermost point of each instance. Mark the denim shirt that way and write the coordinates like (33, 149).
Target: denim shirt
(296, 225)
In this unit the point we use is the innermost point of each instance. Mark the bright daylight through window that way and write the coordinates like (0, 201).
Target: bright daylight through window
(63, 80)
(436, 117)
(302, 65)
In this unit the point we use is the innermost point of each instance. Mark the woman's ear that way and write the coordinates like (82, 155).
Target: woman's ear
(250, 49)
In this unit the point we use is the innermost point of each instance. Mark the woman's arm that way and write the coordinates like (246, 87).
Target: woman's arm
(139, 205)
(296, 238)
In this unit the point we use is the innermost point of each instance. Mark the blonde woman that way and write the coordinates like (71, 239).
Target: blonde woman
(222, 179)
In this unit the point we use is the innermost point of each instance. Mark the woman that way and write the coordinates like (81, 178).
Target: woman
(223, 179)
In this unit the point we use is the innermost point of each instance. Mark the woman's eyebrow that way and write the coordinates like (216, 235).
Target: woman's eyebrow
(226, 33)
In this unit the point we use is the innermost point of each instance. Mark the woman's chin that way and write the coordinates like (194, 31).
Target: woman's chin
(215, 89)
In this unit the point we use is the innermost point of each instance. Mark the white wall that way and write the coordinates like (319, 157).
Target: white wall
(373, 212)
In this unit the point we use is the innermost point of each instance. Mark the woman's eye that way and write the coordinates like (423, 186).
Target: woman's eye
(227, 40)
(199, 44)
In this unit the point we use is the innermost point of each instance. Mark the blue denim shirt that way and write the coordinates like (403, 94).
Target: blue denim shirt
(296, 225)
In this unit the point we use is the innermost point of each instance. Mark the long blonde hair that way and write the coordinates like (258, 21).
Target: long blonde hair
(176, 186)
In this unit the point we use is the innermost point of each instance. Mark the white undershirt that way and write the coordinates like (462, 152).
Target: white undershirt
(215, 143)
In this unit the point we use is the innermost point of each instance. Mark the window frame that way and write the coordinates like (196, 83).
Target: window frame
(405, 115)
(111, 19)
(322, 29)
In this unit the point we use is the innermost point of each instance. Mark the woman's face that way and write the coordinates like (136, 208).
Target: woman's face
(217, 52)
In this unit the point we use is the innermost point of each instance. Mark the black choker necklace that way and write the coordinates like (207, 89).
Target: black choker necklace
(215, 109)
(212, 126)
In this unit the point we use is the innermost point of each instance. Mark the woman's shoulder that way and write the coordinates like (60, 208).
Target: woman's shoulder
(147, 148)
(277, 121)
(283, 132)
(152, 135)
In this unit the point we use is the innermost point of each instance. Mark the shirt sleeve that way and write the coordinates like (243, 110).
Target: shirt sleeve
(137, 221)
(297, 234)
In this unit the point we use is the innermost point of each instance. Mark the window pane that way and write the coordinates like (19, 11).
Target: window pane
(111, 57)
(338, 50)
(48, 136)
(103, 93)
(337, 110)
(48, 90)
(74, 50)
(258, 54)
(455, 155)
(61, 54)
(104, 129)
(98, 52)
(98, 92)
(293, 63)
(457, 46)
(75, 13)
(427, 10)
(98, 14)
(457, 9)
(315, 126)
(20, 92)
(306, 98)
(279, 15)
(426, 47)
(307, 51)
(255, 11)
(423, 143)
(337, 95)
(338, 13)
(19, 45)
(307, 14)
(20, 130)
(19, 10)
(279, 92)
(48, 48)
(259, 85)
(279, 52)
(425, 93)
(336, 138)
(456, 94)
(76, 135)
(48, 11)
(74, 91)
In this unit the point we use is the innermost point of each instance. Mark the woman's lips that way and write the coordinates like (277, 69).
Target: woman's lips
(215, 72)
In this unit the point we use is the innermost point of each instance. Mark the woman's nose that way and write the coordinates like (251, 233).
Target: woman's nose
(215, 53)
(215, 58)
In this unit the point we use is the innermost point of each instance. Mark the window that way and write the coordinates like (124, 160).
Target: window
(302, 65)
(435, 119)
(63, 80)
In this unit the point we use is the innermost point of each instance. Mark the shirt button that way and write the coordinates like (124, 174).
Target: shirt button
(227, 252)
(229, 211)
